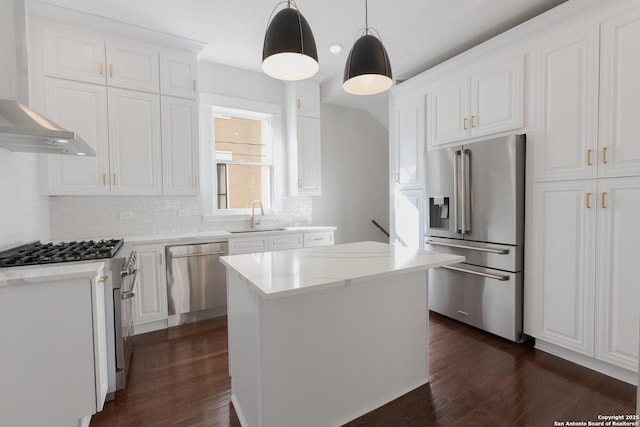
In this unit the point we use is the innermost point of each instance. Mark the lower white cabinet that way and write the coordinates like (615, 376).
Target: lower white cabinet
(150, 301)
(408, 219)
(282, 241)
(285, 241)
(318, 238)
(583, 291)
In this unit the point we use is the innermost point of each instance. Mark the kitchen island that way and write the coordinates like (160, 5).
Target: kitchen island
(320, 336)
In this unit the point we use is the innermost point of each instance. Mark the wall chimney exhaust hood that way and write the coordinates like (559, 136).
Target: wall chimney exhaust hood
(24, 130)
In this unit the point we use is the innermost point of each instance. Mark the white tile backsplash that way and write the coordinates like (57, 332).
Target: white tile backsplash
(86, 217)
(24, 214)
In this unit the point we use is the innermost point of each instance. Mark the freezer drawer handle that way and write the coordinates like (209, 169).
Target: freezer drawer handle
(197, 255)
(477, 273)
(493, 251)
(127, 295)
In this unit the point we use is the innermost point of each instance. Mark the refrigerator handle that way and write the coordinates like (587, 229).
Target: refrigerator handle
(456, 200)
(466, 203)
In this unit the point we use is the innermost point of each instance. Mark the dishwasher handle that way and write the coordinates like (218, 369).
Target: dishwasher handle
(198, 255)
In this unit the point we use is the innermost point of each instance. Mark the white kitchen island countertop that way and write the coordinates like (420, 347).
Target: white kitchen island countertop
(284, 273)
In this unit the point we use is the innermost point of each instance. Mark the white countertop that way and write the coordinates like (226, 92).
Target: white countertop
(49, 272)
(283, 273)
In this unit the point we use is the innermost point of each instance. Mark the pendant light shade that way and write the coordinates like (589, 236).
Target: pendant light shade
(368, 69)
(289, 51)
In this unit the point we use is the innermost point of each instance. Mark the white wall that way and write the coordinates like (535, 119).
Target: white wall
(355, 161)
(24, 215)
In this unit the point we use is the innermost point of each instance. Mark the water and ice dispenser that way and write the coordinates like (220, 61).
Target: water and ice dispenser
(439, 212)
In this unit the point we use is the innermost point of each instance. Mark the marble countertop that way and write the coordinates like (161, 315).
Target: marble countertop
(284, 273)
(15, 276)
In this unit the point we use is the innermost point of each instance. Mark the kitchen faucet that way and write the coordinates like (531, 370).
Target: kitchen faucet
(255, 222)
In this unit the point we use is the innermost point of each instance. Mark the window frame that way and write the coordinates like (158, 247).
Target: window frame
(212, 104)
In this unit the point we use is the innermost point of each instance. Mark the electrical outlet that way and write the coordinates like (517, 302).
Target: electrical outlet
(126, 215)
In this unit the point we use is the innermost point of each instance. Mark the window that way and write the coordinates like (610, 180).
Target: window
(243, 153)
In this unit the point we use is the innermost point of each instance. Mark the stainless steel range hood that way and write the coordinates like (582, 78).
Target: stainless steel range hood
(24, 130)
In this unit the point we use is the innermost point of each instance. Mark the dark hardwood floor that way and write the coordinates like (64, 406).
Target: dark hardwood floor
(179, 377)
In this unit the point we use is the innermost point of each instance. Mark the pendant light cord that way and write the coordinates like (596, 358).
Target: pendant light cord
(366, 16)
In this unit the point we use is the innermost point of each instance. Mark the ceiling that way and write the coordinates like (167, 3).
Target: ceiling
(417, 34)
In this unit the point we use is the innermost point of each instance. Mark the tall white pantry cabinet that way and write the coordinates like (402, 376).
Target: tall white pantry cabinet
(575, 96)
(134, 102)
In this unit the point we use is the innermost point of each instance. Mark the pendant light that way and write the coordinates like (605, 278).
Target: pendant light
(289, 50)
(368, 70)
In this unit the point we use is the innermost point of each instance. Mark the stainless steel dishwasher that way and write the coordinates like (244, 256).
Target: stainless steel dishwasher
(196, 282)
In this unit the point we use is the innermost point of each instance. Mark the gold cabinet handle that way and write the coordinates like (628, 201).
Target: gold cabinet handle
(604, 155)
(464, 123)
(103, 279)
(298, 103)
(100, 67)
(104, 179)
(396, 177)
(472, 121)
(588, 200)
(110, 70)
(589, 157)
(196, 181)
(114, 179)
(299, 183)
(604, 205)
(160, 258)
(194, 85)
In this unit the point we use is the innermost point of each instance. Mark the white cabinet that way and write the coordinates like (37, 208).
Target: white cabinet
(150, 301)
(618, 293)
(75, 55)
(309, 157)
(178, 75)
(408, 219)
(83, 108)
(134, 134)
(561, 293)
(489, 101)
(302, 122)
(248, 245)
(179, 146)
(564, 139)
(132, 66)
(285, 241)
(307, 99)
(407, 147)
(318, 238)
(619, 150)
(584, 292)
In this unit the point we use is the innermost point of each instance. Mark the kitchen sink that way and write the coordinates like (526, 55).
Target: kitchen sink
(255, 230)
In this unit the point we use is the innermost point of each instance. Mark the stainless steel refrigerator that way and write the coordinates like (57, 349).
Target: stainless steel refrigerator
(475, 196)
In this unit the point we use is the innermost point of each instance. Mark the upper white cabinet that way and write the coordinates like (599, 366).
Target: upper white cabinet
(566, 107)
(407, 130)
(307, 98)
(179, 75)
(134, 133)
(619, 150)
(83, 108)
(309, 157)
(180, 146)
(75, 55)
(132, 66)
(488, 101)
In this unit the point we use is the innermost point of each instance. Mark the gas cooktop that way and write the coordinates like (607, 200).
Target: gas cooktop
(49, 253)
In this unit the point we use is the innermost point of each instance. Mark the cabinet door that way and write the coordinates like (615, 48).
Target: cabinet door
(618, 292)
(74, 55)
(318, 238)
(448, 113)
(100, 339)
(178, 75)
(80, 107)
(309, 159)
(619, 153)
(132, 66)
(150, 301)
(179, 146)
(134, 133)
(308, 99)
(408, 132)
(407, 226)
(285, 241)
(497, 99)
(248, 245)
(566, 106)
(563, 264)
